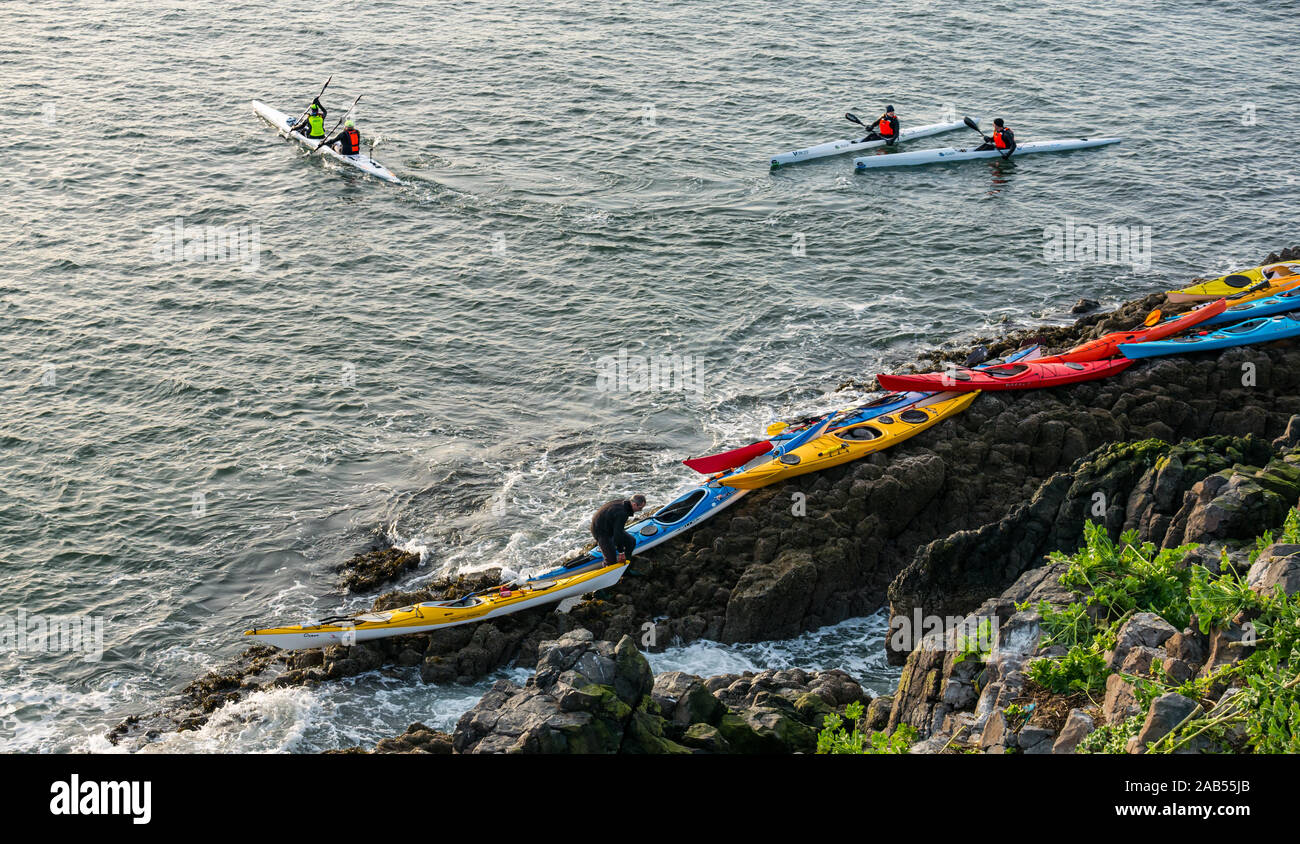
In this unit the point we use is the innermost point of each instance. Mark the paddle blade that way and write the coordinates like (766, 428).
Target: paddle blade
(1152, 318)
(977, 356)
(728, 459)
(853, 118)
(776, 428)
(971, 123)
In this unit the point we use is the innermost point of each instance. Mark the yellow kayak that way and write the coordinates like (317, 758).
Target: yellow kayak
(854, 441)
(432, 615)
(1281, 276)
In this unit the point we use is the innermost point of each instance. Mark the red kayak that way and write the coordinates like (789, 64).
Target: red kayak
(1008, 376)
(1107, 346)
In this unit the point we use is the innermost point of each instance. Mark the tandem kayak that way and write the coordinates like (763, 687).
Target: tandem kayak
(364, 163)
(1010, 376)
(1261, 330)
(1107, 346)
(1256, 283)
(846, 146)
(1278, 303)
(936, 156)
(434, 615)
(855, 441)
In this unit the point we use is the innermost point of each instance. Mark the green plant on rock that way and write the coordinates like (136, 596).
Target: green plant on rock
(1217, 599)
(1124, 577)
(1110, 738)
(1068, 626)
(1082, 669)
(836, 738)
(977, 647)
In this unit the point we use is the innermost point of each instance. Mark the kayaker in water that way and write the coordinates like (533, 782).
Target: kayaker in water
(1003, 140)
(348, 140)
(607, 527)
(885, 128)
(313, 125)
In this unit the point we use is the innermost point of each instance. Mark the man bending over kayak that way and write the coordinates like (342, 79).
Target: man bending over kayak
(607, 527)
(348, 139)
(313, 125)
(1003, 140)
(885, 128)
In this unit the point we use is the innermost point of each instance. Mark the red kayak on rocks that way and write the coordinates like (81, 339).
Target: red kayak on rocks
(1107, 346)
(1008, 376)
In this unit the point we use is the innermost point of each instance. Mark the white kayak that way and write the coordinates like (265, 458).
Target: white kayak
(934, 156)
(841, 147)
(364, 163)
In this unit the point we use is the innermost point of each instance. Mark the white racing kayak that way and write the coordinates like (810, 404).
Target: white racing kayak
(841, 147)
(364, 163)
(935, 156)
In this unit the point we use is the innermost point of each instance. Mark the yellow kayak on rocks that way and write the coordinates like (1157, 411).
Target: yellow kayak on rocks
(434, 615)
(851, 442)
(1280, 276)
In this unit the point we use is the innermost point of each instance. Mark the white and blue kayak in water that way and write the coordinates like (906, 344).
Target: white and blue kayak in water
(364, 163)
(937, 156)
(846, 146)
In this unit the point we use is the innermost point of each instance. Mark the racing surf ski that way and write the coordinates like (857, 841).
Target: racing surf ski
(283, 122)
(938, 156)
(842, 147)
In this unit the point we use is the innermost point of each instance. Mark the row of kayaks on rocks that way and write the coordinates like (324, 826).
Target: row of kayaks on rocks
(1258, 305)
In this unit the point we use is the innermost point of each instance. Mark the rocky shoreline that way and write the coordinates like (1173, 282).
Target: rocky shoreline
(954, 522)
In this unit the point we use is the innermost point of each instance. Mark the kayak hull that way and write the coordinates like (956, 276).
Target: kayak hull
(364, 163)
(939, 156)
(1248, 333)
(436, 615)
(1107, 346)
(1018, 376)
(845, 146)
(844, 445)
(1280, 276)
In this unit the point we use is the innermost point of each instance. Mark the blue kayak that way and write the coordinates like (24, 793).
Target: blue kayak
(688, 509)
(1278, 303)
(1259, 330)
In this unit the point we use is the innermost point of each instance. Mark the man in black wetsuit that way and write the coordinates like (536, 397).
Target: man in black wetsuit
(1003, 140)
(348, 139)
(885, 128)
(607, 527)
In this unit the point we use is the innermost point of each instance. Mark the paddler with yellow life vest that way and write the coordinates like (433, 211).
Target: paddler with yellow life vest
(885, 128)
(312, 124)
(1003, 139)
(348, 140)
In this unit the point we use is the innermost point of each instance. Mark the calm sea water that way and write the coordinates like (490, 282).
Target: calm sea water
(190, 446)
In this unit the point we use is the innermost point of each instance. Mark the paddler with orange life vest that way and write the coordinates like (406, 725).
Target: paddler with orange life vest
(312, 124)
(1003, 140)
(348, 140)
(885, 128)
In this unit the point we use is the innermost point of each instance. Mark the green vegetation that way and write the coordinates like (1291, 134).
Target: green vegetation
(834, 738)
(1123, 578)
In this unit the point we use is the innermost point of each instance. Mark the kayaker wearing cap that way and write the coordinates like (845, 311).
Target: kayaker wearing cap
(348, 139)
(885, 128)
(607, 527)
(314, 122)
(1003, 140)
